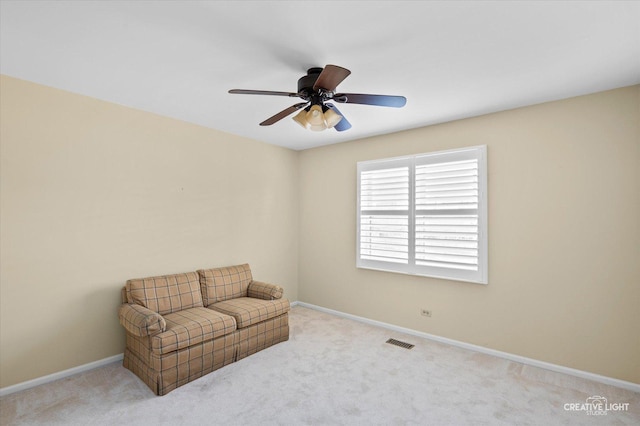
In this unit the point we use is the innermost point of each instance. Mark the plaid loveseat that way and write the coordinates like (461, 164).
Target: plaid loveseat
(183, 326)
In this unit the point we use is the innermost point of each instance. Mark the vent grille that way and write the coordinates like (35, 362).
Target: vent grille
(400, 343)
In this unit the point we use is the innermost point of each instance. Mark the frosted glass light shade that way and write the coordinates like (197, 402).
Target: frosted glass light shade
(331, 118)
(315, 117)
(301, 119)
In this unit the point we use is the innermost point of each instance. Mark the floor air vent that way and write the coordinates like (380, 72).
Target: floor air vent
(399, 343)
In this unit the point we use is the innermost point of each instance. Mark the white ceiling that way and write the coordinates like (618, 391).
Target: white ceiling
(451, 60)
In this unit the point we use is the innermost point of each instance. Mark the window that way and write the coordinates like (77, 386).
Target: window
(425, 215)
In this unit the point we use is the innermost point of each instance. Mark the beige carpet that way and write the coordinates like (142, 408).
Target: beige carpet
(332, 371)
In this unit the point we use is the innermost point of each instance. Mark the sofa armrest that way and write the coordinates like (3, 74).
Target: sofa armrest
(266, 291)
(141, 321)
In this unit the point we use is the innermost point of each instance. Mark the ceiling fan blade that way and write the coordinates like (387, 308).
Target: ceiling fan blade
(342, 124)
(330, 77)
(262, 92)
(379, 100)
(282, 114)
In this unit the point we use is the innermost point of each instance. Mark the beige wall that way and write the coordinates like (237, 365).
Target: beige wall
(94, 193)
(564, 235)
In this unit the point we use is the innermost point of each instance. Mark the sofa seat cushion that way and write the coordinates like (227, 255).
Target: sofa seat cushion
(248, 311)
(189, 327)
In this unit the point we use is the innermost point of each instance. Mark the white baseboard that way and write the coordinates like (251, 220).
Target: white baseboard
(517, 358)
(59, 375)
(66, 373)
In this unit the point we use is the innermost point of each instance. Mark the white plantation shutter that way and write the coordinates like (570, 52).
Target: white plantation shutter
(425, 215)
(446, 207)
(384, 218)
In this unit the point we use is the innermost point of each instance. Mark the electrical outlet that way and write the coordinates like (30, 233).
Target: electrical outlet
(425, 312)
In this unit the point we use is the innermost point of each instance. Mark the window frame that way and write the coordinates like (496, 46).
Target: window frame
(411, 268)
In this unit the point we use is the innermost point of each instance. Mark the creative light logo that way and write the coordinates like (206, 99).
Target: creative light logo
(596, 406)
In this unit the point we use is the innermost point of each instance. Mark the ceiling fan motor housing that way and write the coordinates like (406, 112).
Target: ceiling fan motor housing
(305, 84)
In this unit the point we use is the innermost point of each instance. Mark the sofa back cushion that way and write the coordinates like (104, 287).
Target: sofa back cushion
(220, 284)
(166, 294)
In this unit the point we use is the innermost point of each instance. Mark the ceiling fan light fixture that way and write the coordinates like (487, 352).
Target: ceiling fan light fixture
(317, 118)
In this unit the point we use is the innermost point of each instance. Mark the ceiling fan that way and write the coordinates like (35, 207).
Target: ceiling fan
(317, 88)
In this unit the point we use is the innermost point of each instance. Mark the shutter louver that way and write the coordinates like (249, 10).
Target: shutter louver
(446, 224)
(384, 215)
